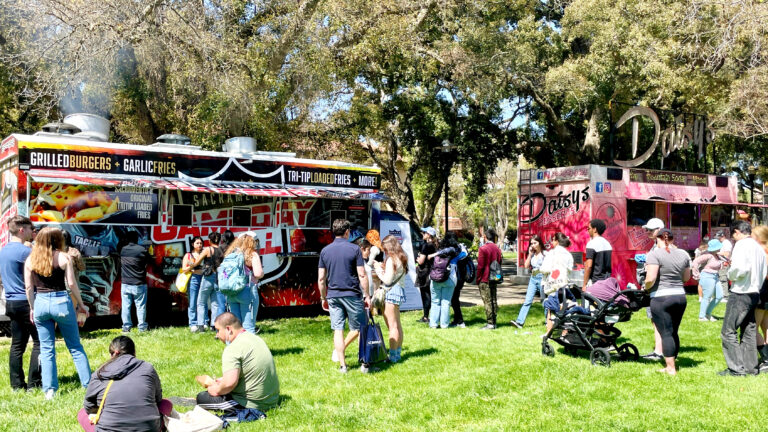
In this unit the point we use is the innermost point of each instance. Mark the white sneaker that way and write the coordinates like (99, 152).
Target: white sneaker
(49, 394)
(699, 299)
(712, 318)
(335, 357)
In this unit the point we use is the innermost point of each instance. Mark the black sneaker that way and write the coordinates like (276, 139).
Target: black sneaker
(653, 356)
(729, 372)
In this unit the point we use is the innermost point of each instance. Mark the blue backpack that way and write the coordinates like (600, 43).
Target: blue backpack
(232, 277)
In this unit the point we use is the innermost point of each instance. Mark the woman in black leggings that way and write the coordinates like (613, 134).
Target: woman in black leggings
(668, 268)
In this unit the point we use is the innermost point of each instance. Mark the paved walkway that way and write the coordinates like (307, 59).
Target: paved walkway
(506, 293)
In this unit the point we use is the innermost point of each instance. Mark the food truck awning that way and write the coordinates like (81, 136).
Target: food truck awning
(681, 193)
(188, 185)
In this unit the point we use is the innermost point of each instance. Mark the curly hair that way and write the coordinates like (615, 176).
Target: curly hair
(373, 237)
(391, 246)
(48, 240)
(247, 245)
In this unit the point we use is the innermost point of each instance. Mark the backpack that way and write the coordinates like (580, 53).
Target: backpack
(441, 269)
(471, 271)
(232, 277)
(494, 272)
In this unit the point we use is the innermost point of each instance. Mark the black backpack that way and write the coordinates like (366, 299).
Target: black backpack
(471, 270)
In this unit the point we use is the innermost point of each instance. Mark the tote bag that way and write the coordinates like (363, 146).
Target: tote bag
(372, 348)
(197, 420)
(182, 281)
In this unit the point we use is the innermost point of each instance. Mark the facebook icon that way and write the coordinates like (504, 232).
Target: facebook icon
(539, 175)
(599, 187)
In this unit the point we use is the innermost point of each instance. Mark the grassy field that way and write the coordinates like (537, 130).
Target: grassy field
(449, 380)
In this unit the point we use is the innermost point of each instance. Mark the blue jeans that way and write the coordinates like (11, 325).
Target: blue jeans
(50, 309)
(134, 294)
(219, 306)
(242, 307)
(710, 285)
(441, 303)
(192, 290)
(534, 287)
(208, 287)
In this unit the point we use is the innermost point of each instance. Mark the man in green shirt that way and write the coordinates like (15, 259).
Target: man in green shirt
(249, 378)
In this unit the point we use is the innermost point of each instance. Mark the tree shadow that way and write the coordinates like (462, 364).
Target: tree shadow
(287, 351)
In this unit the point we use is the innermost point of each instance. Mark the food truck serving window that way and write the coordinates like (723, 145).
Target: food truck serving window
(181, 214)
(639, 212)
(241, 217)
(685, 215)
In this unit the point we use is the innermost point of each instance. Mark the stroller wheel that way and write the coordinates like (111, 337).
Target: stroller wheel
(628, 351)
(600, 356)
(547, 350)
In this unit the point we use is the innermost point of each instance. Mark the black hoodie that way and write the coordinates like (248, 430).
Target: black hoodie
(131, 403)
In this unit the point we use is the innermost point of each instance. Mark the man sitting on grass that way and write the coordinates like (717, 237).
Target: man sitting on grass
(249, 377)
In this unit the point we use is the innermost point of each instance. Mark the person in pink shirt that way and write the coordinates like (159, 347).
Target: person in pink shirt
(705, 269)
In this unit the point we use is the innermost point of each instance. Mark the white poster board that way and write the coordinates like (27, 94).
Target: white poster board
(402, 231)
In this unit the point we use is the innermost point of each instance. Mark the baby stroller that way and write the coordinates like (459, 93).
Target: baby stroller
(586, 322)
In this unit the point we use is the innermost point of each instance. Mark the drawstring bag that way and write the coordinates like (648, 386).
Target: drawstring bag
(197, 420)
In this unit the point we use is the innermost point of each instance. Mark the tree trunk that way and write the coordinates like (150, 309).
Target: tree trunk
(591, 145)
(431, 205)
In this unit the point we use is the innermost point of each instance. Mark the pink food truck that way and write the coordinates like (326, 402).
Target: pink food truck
(566, 199)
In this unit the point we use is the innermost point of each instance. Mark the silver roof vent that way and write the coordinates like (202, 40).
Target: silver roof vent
(91, 126)
(60, 128)
(175, 141)
(240, 145)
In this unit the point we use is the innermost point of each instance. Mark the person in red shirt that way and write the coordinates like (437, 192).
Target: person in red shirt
(487, 254)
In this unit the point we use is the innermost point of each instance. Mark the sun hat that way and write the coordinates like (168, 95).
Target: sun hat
(654, 224)
(714, 245)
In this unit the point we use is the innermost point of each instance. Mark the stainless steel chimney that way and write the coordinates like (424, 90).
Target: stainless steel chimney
(240, 145)
(92, 126)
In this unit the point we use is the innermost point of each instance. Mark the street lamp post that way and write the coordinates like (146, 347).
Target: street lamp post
(446, 148)
(751, 170)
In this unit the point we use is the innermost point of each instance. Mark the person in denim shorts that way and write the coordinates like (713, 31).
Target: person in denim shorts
(343, 286)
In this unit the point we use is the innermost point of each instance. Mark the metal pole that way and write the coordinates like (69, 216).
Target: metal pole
(447, 175)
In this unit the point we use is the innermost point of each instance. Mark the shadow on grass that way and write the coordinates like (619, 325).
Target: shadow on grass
(287, 351)
(686, 362)
(98, 334)
(418, 353)
(691, 349)
(66, 380)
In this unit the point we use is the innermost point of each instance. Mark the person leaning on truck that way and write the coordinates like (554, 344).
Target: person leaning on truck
(12, 258)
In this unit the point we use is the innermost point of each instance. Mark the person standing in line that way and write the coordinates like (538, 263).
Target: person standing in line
(652, 228)
(12, 258)
(760, 234)
(391, 273)
(597, 266)
(428, 247)
(533, 262)
(210, 258)
(191, 263)
(441, 290)
(708, 279)
(47, 272)
(462, 260)
(725, 256)
(486, 255)
(668, 269)
(747, 273)
(343, 287)
(134, 259)
(245, 305)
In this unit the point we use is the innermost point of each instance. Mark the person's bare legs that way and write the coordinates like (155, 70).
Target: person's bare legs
(351, 336)
(657, 340)
(392, 319)
(761, 321)
(670, 369)
(339, 346)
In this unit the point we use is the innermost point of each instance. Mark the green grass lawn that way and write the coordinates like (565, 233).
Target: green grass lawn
(449, 380)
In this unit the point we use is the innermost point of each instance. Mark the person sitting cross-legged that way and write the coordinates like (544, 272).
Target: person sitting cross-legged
(249, 377)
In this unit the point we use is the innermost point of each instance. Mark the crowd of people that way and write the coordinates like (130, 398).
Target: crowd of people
(355, 278)
(40, 283)
(720, 266)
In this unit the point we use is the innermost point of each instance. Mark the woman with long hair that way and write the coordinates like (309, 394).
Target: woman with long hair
(130, 389)
(668, 268)
(533, 261)
(708, 279)
(760, 234)
(428, 246)
(390, 274)
(192, 263)
(48, 272)
(210, 258)
(245, 305)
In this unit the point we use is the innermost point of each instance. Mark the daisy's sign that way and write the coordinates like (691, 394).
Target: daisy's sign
(677, 136)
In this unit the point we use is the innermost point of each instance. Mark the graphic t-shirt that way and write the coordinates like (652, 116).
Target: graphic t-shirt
(599, 251)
